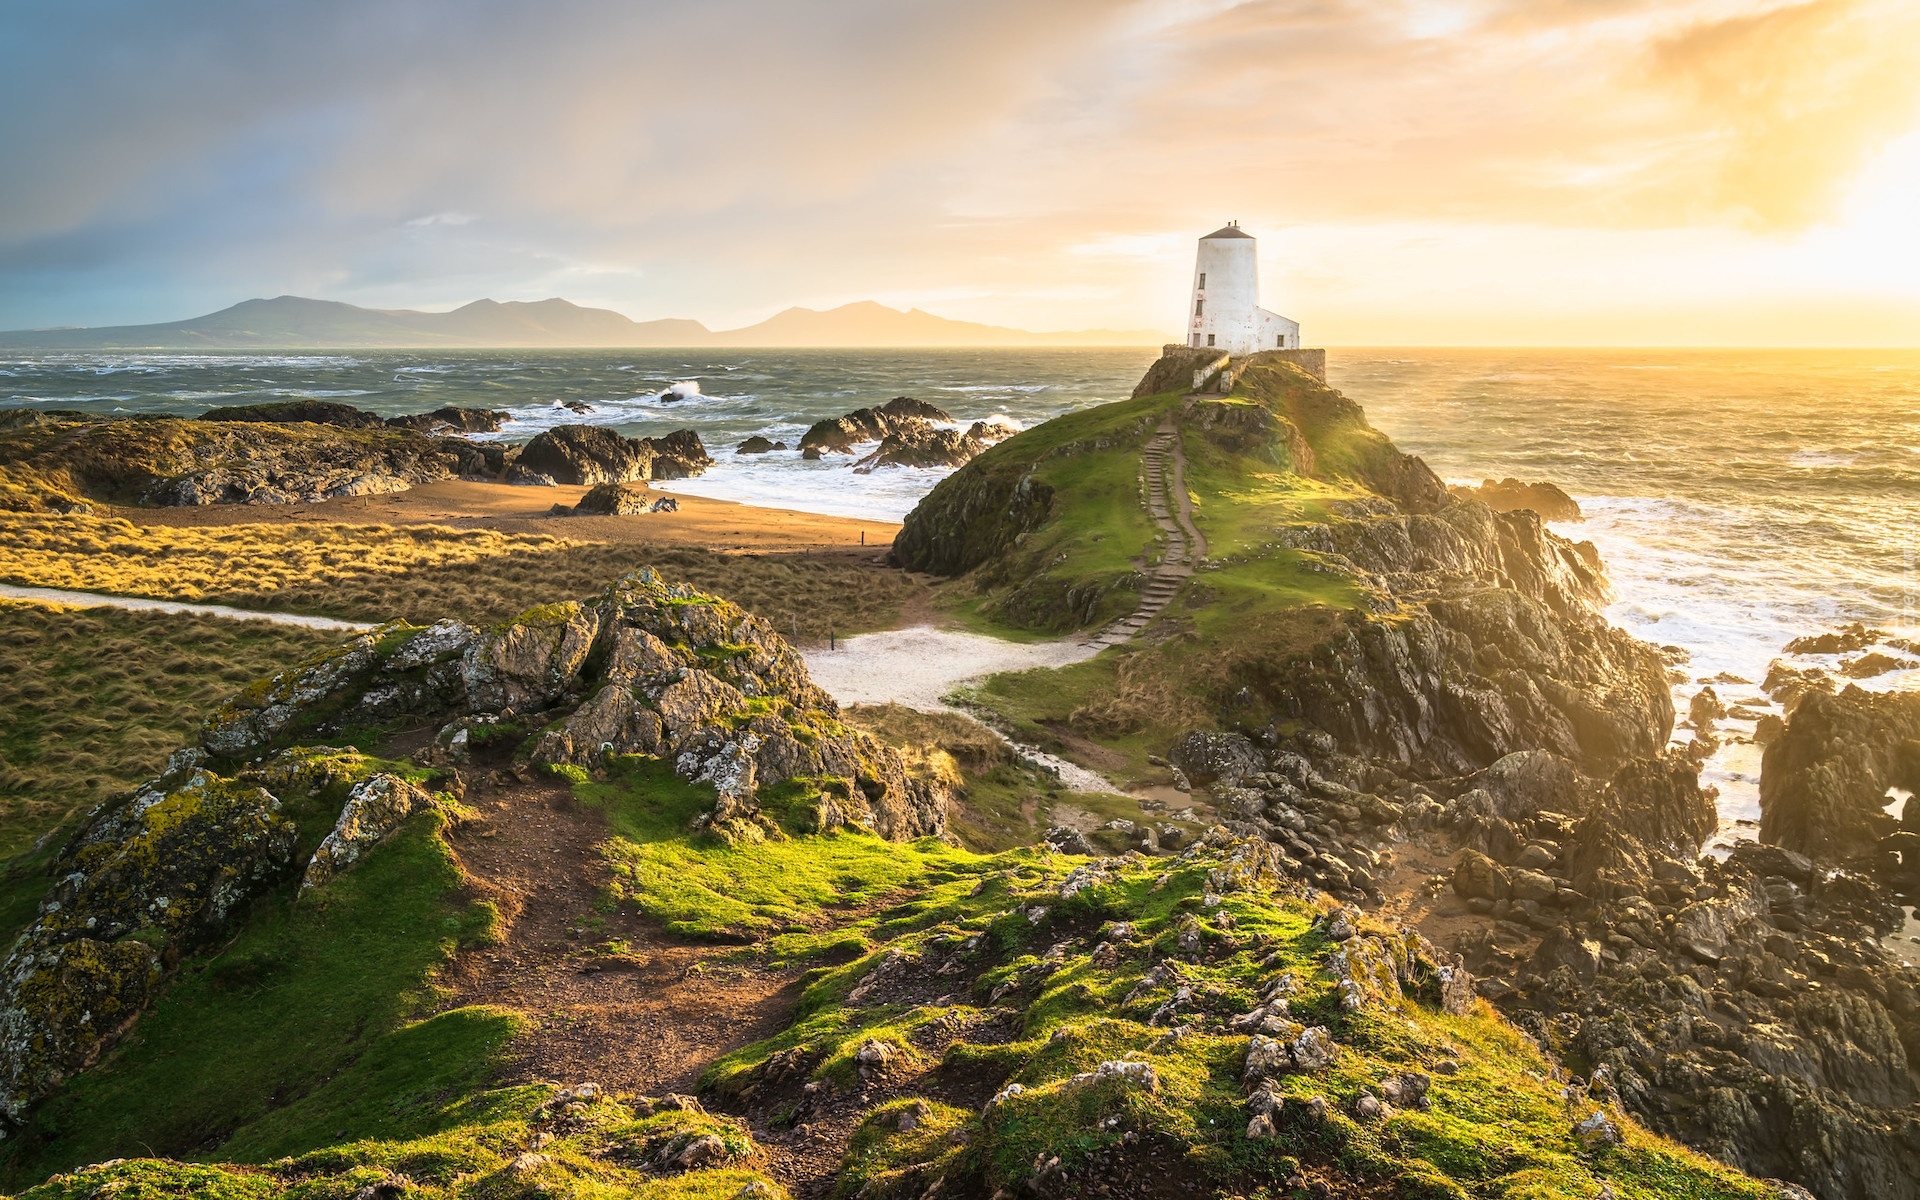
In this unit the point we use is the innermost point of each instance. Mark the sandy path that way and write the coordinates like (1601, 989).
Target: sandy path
(97, 600)
(918, 666)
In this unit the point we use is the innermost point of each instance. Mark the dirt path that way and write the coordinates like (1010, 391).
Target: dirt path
(616, 1001)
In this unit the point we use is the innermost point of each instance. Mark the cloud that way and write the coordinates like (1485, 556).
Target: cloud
(724, 158)
(1792, 102)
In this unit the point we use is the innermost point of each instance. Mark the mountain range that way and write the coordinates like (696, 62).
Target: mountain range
(294, 322)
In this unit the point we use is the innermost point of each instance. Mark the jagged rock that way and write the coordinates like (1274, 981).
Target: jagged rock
(375, 808)
(675, 674)
(758, 445)
(1824, 781)
(452, 420)
(1222, 758)
(1508, 495)
(839, 435)
(1527, 781)
(1314, 1049)
(1068, 840)
(593, 454)
(1597, 1129)
(290, 412)
(1653, 808)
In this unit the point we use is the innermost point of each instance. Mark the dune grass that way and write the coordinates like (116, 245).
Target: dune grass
(423, 573)
(809, 594)
(101, 554)
(93, 700)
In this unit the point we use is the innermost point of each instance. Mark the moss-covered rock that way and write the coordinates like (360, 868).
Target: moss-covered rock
(151, 877)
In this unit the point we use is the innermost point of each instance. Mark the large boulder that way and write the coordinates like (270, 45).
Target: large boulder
(1824, 781)
(839, 435)
(586, 455)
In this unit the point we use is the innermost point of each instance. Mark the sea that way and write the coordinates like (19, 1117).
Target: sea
(1740, 498)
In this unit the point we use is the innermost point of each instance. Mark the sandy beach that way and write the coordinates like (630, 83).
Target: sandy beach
(701, 521)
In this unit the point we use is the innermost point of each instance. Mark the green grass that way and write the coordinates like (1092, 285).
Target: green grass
(703, 887)
(308, 1028)
(1498, 1128)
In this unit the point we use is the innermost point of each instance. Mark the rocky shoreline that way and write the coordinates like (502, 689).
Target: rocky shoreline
(302, 452)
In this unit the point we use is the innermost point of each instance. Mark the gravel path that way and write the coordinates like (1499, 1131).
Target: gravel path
(97, 600)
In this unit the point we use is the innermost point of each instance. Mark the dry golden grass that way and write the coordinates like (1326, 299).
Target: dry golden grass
(99, 554)
(93, 700)
(799, 594)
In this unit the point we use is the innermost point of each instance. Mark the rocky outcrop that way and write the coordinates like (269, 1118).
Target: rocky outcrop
(1461, 681)
(147, 879)
(172, 462)
(650, 669)
(1824, 780)
(376, 807)
(915, 443)
(1511, 495)
(283, 412)
(593, 454)
(758, 445)
(839, 435)
(452, 420)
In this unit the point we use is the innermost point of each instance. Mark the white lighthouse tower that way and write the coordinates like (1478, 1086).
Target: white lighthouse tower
(1226, 313)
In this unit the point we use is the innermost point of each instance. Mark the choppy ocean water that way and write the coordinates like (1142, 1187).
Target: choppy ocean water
(1740, 498)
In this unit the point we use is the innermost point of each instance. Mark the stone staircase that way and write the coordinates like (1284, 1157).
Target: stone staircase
(1163, 471)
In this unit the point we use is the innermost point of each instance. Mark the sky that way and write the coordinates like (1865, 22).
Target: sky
(1418, 172)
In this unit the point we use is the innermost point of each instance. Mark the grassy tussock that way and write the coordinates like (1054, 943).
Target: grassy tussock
(98, 554)
(92, 701)
(804, 593)
(422, 573)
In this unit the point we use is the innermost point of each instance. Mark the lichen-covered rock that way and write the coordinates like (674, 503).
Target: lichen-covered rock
(531, 662)
(375, 808)
(649, 668)
(386, 672)
(157, 874)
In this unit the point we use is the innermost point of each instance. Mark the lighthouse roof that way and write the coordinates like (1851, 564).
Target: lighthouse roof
(1227, 231)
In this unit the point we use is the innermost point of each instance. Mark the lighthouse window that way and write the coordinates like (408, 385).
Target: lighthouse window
(1281, 341)
(1209, 339)
(1199, 306)
(1203, 281)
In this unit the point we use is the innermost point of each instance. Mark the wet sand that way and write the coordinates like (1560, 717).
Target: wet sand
(712, 524)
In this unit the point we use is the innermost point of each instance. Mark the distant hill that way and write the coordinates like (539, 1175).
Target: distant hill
(296, 323)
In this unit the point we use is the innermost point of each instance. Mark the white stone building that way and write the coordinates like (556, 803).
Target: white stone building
(1225, 313)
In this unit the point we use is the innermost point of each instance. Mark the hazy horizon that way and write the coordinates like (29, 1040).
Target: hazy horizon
(1429, 172)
